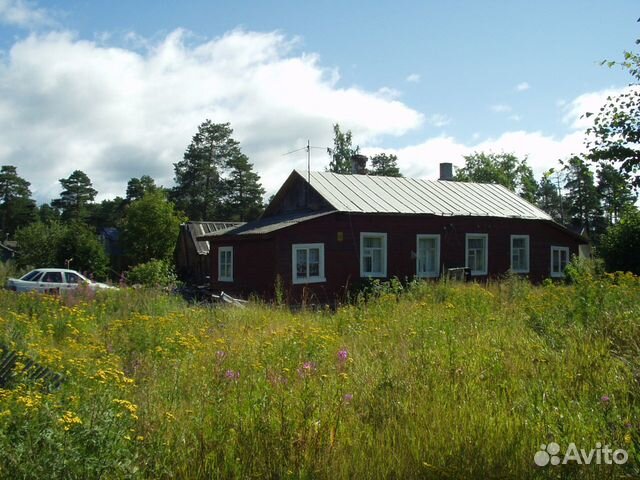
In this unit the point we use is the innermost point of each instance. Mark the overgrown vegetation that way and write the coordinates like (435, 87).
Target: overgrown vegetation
(442, 380)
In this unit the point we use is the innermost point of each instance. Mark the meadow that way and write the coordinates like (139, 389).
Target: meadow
(430, 380)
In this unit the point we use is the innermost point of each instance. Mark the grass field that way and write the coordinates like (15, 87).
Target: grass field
(437, 381)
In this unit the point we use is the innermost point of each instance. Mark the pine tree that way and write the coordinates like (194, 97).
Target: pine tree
(615, 192)
(137, 187)
(385, 165)
(76, 196)
(17, 209)
(548, 198)
(198, 176)
(243, 191)
(582, 198)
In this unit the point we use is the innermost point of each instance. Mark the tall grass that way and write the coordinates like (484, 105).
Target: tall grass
(440, 381)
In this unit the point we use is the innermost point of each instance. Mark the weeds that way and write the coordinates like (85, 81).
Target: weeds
(422, 380)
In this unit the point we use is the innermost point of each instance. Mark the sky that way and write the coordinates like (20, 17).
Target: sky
(117, 89)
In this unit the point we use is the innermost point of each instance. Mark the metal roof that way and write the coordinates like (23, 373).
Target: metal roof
(271, 224)
(374, 194)
(198, 229)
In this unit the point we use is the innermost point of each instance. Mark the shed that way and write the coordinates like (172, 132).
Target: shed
(192, 254)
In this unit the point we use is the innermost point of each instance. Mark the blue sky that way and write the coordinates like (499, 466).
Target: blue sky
(118, 88)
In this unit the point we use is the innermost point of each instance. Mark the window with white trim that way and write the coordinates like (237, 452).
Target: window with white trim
(428, 256)
(373, 254)
(520, 253)
(225, 264)
(477, 252)
(307, 261)
(559, 260)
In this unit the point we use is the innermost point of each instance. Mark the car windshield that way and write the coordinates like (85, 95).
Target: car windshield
(31, 276)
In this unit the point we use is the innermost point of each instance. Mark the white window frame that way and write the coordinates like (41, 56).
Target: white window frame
(433, 274)
(559, 249)
(527, 253)
(473, 236)
(383, 273)
(294, 257)
(222, 278)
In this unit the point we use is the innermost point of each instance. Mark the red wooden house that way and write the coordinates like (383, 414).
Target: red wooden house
(324, 232)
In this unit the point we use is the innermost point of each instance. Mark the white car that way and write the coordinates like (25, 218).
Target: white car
(52, 280)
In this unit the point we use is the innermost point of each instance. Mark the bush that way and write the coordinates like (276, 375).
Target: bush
(584, 269)
(154, 273)
(619, 246)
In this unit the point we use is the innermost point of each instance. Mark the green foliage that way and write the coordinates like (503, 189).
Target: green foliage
(620, 245)
(154, 273)
(108, 213)
(614, 138)
(548, 198)
(17, 209)
(60, 245)
(615, 193)
(243, 192)
(80, 249)
(200, 184)
(138, 187)
(77, 194)
(150, 228)
(48, 214)
(584, 270)
(582, 196)
(385, 165)
(446, 380)
(39, 243)
(500, 168)
(342, 151)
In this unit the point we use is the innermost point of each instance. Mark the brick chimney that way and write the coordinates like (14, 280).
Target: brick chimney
(359, 164)
(446, 171)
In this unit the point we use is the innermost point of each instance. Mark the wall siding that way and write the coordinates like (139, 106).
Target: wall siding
(260, 260)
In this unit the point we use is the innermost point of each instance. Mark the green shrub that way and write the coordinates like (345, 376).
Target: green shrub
(154, 273)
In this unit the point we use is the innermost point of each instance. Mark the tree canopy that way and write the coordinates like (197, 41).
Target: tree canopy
(150, 228)
(77, 194)
(385, 165)
(500, 168)
(342, 151)
(17, 209)
(614, 138)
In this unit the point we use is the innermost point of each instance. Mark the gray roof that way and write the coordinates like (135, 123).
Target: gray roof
(270, 224)
(373, 194)
(198, 229)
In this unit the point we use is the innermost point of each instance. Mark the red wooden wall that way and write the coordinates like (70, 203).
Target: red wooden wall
(257, 261)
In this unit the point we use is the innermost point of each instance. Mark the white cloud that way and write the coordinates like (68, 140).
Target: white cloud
(515, 118)
(523, 86)
(500, 108)
(22, 13)
(542, 151)
(591, 102)
(438, 120)
(68, 103)
(413, 78)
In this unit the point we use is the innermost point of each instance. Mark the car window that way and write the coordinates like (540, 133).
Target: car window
(29, 277)
(72, 277)
(52, 277)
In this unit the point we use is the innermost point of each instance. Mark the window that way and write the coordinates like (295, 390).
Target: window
(477, 253)
(72, 277)
(31, 276)
(373, 254)
(307, 263)
(52, 277)
(428, 256)
(559, 260)
(520, 253)
(225, 264)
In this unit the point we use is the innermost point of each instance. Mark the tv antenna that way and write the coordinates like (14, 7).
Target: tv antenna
(308, 148)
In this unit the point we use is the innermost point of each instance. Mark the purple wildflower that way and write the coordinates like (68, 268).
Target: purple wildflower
(307, 368)
(231, 375)
(348, 397)
(343, 355)
(605, 399)
(221, 355)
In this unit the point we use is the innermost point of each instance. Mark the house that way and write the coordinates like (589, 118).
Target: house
(324, 232)
(192, 255)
